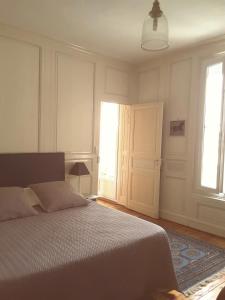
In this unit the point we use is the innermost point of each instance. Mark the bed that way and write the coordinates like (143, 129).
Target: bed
(79, 253)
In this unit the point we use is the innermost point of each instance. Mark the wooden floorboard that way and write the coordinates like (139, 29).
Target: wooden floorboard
(208, 292)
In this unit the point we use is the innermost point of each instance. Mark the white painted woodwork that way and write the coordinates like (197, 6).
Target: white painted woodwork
(175, 168)
(28, 76)
(179, 85)
(149, 85)
(19, 96)
(145, 158)
(75, 105)
(123, 154)
(49, 97)
(117, 82)
(114, 27)
(173, 189)
(180, 76)
(174, 82)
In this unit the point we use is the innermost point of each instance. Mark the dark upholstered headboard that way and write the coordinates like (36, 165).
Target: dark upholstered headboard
(27, 168)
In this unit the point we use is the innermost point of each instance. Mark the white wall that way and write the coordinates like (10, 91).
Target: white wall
(49, 101)
(50, 94)
(175, 80)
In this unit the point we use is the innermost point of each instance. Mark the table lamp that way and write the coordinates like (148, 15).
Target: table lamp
(79, 169)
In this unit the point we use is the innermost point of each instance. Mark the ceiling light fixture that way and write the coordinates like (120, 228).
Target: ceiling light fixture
(155, 32)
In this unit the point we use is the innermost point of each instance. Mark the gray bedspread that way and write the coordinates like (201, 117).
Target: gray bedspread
(83, 253)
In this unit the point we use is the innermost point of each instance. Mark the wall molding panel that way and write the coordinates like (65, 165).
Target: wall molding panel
(179, 84)
(116, 82)
(193, 222)
(149, 85)
(178, 104)
(75, 104)
(50, 94)
(20, 96)
(175, 168)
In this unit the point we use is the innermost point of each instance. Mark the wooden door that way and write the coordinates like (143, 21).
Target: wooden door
(145, 158)
(123, 154)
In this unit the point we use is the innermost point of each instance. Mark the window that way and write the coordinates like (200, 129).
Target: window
(213, 148)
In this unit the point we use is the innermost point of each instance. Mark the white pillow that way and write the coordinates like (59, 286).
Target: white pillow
(13, 204)
(31, 197)
(58, 195)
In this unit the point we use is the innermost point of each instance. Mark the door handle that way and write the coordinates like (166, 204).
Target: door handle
(158, 163)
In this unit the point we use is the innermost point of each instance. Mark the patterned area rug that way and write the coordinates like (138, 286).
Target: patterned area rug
(194, 261)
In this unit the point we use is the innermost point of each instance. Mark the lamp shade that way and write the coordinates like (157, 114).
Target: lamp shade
(79, 169)
(154, 40)
(155, 32)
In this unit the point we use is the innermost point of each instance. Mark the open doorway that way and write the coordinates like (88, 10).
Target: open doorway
(130, 155)
(108, 151)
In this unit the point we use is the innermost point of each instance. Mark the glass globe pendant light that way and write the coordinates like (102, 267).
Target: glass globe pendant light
(155, 33)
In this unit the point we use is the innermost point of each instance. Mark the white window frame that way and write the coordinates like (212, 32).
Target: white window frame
(215, 193)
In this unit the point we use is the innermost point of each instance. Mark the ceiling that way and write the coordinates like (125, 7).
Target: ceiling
(113, 27)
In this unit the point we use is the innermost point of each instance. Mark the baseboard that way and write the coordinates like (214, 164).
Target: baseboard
(193, 223)
(143, 210)
(110, 201)
(177, 218)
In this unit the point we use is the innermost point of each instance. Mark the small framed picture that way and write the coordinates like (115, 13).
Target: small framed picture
(177, 128)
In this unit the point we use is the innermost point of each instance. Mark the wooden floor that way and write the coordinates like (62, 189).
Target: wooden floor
(210, 291)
